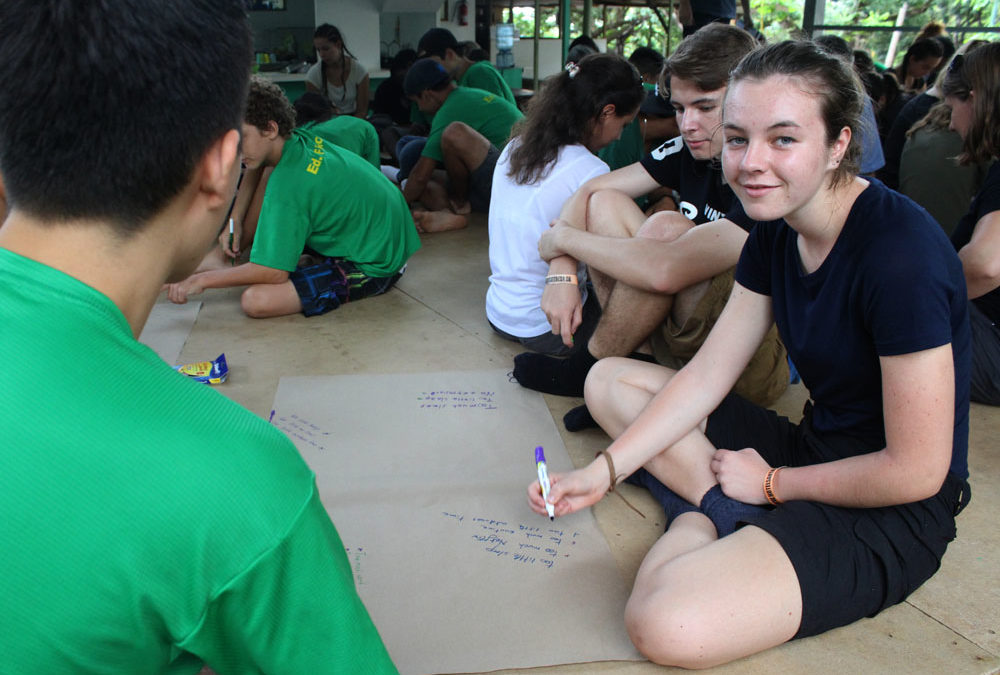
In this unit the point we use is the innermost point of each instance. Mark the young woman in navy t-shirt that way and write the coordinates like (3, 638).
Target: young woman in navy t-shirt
(803, 527)
(971, 87)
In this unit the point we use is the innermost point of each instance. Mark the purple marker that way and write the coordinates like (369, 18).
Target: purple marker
(270, 420)
(543, 480)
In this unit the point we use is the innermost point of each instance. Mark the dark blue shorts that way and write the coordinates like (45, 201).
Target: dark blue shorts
(850, 563)
(327, 285)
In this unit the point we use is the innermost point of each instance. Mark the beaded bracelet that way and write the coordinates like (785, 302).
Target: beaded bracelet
(772, 498)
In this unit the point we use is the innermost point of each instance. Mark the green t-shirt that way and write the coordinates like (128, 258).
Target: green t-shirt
(482, 75)
(150, 525)
(351, 133)
(487, 113)
(337, 204)
(628, 149)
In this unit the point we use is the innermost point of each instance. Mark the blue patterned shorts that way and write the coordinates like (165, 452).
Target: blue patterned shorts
(327, 285)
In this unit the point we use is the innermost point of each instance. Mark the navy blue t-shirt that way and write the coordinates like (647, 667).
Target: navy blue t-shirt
(891, 285)
(986, 201)
(704, 195)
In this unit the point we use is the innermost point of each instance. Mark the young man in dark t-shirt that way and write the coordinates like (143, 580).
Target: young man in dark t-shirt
(663, 279)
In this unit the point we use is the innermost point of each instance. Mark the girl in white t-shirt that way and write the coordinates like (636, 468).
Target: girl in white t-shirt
(578, 112)
(337, 74)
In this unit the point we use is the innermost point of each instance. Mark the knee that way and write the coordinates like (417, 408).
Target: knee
(254, 302)
(610, 212)
(601, 379)
(455, 135)
(668, 633)
(665, 226)
(606, 199)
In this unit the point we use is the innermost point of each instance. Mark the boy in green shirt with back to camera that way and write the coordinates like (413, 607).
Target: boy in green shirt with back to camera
(149, 524)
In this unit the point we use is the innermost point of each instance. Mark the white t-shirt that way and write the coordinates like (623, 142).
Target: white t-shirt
(518, 216)
(346, 97)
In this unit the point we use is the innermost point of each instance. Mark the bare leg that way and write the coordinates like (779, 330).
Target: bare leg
(261, 301)
(699, 602)
(629, 315)
(617, 390)
(464, 149)
(611, 213)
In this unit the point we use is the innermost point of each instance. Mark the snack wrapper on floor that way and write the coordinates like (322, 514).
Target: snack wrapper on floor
(207, 372)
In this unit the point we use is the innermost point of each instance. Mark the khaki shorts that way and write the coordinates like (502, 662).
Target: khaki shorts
(766, 376)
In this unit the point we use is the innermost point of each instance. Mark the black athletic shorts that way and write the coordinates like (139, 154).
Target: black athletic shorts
(851, 563)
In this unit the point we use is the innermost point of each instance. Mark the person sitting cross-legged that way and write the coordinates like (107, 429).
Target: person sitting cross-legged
(662, 279)
(781, 530)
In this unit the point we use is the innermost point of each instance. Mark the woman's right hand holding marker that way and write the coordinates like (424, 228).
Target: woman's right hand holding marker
(572, 491)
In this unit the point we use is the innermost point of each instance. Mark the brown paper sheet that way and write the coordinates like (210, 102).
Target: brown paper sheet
(425, 477)
(168, 328)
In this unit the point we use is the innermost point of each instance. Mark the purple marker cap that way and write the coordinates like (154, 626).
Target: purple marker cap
(539, 455)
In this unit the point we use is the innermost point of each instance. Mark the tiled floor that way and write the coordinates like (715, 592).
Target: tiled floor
(434, 320)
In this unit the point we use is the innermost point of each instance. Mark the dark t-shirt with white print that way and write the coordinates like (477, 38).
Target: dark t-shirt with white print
(703, 193)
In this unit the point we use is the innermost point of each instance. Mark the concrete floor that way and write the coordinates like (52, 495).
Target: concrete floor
(434, 320)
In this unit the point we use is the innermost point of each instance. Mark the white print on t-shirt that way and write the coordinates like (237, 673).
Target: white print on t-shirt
(690, 212)
(671, 147)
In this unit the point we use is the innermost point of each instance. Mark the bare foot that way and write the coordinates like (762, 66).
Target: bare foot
(438, 221)
(462, 209)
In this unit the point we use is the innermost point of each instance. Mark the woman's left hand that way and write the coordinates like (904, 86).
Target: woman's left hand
(741, 474)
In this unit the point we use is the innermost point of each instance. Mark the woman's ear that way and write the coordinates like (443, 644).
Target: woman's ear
(840, 145)
(608, 111)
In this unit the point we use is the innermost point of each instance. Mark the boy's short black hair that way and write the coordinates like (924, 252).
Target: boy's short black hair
(312, 107)
(436, 41)
(576, 53)
(647, 61)
(136, 92)
(586, 41)
(402, 61)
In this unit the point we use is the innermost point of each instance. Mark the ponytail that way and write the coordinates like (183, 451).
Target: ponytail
(567, 109)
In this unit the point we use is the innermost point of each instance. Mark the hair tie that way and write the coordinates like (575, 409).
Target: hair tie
(572, 68)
